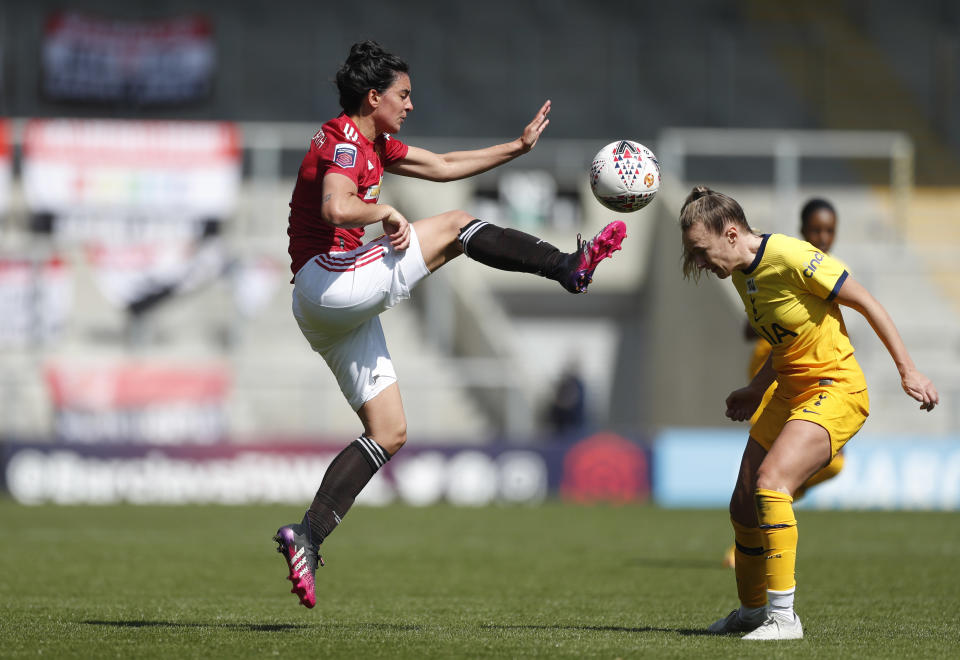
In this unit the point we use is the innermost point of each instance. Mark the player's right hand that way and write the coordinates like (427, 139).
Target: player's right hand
(397, 229)
(742, 403)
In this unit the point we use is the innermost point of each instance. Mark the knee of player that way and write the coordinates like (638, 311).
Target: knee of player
(771, 479)
(393, 440)
(460, 219)
(456, 222)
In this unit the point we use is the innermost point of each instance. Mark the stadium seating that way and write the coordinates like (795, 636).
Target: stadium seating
(697, 63)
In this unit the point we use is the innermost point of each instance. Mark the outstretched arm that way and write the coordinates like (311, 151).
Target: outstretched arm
(424, 164)
(853, 294)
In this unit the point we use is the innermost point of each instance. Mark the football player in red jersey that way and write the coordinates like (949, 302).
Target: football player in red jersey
(341, 285)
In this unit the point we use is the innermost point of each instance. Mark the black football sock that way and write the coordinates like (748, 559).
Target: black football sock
(346, 476)
(509, 249)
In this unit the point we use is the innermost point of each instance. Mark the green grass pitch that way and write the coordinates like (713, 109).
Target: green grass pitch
(551, 581)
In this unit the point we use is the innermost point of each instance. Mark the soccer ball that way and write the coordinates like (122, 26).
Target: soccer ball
(625, 176)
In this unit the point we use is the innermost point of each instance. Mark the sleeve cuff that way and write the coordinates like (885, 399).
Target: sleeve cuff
(836, 287)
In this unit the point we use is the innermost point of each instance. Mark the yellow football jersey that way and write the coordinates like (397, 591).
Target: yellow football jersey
(788, 293)
(761, 351)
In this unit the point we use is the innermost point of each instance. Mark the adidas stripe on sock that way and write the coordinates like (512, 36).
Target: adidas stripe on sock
(376, 455)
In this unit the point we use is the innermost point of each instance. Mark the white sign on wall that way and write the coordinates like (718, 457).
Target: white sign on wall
(131, 180)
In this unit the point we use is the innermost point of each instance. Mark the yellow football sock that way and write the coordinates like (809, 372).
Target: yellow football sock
(779, 527)
(749, 565)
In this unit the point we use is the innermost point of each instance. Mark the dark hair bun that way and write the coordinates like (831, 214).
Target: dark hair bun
(363, 50)
(368, 66)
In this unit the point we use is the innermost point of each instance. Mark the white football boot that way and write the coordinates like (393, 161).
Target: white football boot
(734, 623)
(776, 627)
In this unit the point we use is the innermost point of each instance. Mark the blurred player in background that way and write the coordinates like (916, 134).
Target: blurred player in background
(818, 226)
(341, 285)
(791, 292)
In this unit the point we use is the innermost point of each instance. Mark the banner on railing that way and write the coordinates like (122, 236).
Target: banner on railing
(131, 62)
(698, 468)
(122, 181)
(132, 402)
(603, 467)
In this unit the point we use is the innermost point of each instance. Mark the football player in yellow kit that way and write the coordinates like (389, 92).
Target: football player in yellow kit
(792, 294)
(818, 226)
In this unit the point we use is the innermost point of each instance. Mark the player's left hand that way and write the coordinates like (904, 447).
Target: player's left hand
(397, 229)
(921, 388)
(533, 130)
(742, 403)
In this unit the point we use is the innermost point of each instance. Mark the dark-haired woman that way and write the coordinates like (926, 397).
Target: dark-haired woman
(791, 292)
(341, 285)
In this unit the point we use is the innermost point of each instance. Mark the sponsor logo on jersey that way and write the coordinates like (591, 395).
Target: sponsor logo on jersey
(369, 165)
(752, 285)
(812, 266)
(775, 333)
(350, 132)
(373, 192)
(345, 155)
(319, 138)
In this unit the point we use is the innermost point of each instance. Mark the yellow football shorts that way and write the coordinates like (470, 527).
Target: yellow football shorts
(840, 413)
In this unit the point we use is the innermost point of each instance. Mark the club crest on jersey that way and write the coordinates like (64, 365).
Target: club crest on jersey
(752, 285)
(345, 155)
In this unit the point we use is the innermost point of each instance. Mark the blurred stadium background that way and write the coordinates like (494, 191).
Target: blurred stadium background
(148, 151)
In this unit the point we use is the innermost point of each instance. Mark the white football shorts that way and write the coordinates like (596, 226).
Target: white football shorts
(337, 298)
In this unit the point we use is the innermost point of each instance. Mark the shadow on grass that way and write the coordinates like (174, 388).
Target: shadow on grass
(651, 562)
(266, 627)
(275, 627)
(688, 632)
(262, 627)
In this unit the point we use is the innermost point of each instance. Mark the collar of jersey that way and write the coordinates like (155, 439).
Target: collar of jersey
(756, 260)
(355, 127)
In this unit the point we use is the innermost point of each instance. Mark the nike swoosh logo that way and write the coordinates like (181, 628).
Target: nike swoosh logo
(812, 412)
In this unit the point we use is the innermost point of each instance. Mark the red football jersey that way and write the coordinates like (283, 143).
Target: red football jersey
(337, 147)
